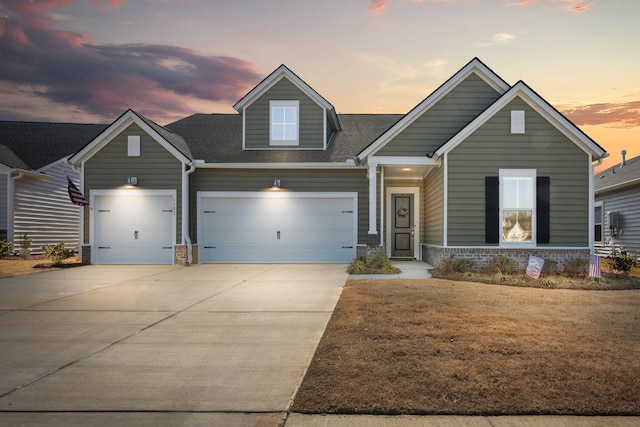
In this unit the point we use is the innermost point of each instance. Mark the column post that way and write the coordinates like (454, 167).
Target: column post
(373, 237)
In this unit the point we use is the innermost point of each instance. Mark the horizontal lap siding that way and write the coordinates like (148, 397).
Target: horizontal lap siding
(43, 209)
(311, 130)
(543, 148)
(155, 168)
(434, 211)
(4, 207)
(443, 120)
(293, 180)
(627, 203)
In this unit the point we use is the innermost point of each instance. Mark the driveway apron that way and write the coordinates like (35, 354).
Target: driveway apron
(210, 344)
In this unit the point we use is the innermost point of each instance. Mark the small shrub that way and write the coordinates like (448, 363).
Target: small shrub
(464, 265)
(25, 241)
(57, 253)
(504, 265)
(501, 278)
(621, 261)
(446, 266)
(550, 268)
(5, 248)
(547, 283)
(380, 259)
(357, 266)
(576, 267)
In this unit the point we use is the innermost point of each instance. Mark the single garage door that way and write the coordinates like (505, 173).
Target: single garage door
(134, 229)
(277, 227)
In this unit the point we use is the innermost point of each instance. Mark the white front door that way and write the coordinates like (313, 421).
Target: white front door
(285, 227)
(133, 229)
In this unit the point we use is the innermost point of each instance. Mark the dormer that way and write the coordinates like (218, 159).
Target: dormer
(284, 113)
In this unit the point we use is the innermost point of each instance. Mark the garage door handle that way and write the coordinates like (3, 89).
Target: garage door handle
(209, 247)
(278, 234)
(104, 247)
(347, 247)
(135, 234)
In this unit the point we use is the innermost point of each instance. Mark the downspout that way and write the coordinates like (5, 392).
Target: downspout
(11, 213)
(185, 212)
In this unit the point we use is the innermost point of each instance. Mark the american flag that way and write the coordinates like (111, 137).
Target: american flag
(594, 266)
(75, 195)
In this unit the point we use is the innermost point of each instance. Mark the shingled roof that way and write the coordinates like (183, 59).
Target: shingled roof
(32, 145)
(217, 138)
(618, 176)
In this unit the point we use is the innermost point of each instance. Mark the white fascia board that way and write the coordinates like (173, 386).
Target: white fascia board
(618, 186)
(118, 126)
(31, 174)
(401, 161)
(475, 66)
(309, 165)
(523, 91)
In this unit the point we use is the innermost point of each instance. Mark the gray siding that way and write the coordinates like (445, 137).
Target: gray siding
(443, 120)
(43, 210)
(434, 211)
(311, 126)
(156, 169)
(4, 205)
(627, 203)
(543, 148)
(336, 180)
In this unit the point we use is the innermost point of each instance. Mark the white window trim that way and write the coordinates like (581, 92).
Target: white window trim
(600, 205)
(519, 173)
(287, 142)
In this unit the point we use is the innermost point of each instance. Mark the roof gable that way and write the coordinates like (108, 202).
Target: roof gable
(475, 66)
(172, 142)
(283, 72)
(542, 107)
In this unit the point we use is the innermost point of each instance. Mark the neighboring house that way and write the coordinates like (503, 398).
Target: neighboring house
(617, 206)
(479, 168)
(33, 183)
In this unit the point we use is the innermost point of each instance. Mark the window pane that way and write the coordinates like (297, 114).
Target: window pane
(517, 193)
(277, 115)
(277, 132)
(598, 233)
(290, 132)
(597, 217)
(290, 115)
(517, 226)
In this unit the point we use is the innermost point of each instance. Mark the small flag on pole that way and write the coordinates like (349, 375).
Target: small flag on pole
(75, 195)
(594, 266)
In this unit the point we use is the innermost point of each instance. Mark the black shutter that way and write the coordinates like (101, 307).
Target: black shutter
(491, 209)
(542, 209)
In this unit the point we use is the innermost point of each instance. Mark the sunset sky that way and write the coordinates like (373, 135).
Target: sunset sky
(90, 60)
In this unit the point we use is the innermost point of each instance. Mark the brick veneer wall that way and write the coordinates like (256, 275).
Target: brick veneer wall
(180, 254)
(436, 255)
(86, 254)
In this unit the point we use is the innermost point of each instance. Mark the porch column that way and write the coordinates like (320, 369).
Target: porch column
(373, 238)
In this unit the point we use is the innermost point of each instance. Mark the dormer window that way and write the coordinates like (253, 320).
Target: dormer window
(284, 122)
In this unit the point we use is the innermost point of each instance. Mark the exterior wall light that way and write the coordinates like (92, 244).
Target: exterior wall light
(132, 181)
(276, 184)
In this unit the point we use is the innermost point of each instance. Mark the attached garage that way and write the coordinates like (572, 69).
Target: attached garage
(277, 227)
(133, 226)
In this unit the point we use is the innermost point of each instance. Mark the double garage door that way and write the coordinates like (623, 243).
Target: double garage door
(277, 227)
(133, 228)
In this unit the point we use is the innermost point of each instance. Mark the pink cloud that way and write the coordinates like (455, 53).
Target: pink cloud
(66, 68)
(576, 6)
(618, 115)
(377, 6)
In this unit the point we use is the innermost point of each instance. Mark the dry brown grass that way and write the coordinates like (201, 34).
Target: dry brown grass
(15, 266)
(445, 347)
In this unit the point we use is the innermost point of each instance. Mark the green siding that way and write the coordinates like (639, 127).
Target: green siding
(443, 120)
(156, 169)
(293, 180)
(311, 116)
(543, 148)
(434, 214)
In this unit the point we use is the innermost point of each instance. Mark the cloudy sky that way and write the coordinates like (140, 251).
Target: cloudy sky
(90, 60)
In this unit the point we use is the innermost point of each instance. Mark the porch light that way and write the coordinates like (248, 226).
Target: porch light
(276, 184)
(132, 181)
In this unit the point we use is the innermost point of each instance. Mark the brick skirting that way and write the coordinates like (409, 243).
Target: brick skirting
(435, 255)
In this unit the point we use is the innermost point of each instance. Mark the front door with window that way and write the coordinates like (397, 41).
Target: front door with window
(402, 226)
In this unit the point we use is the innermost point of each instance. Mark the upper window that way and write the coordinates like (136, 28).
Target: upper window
(284, 122)
(517, 205)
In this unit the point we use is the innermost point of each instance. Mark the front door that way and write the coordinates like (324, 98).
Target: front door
(402, 226)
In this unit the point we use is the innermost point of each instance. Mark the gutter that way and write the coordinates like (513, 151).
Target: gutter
(308, 165)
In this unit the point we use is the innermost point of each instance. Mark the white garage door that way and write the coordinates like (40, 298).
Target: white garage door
(134, 229)
(277, 227)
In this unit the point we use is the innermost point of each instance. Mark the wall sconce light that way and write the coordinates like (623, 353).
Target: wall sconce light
(132, 181)
(276, 184)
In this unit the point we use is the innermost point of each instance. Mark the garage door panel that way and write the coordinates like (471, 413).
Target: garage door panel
(278, 229)
(134, 229)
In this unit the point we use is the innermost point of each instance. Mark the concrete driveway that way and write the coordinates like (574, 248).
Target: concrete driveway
(161, 345)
